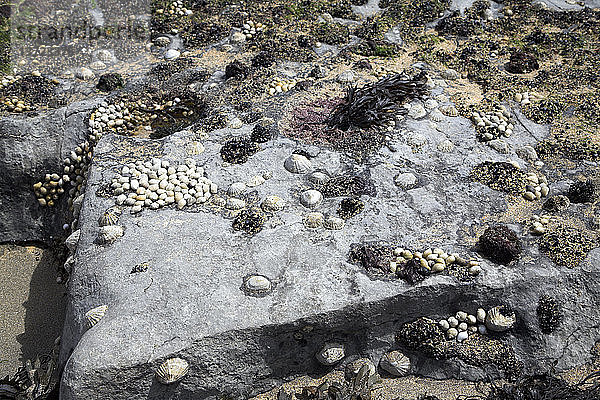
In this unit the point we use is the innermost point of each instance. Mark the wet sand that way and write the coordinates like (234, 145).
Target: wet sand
(32, 305)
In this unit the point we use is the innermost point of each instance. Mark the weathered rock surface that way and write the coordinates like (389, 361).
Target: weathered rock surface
(189, 302)
(30, 148)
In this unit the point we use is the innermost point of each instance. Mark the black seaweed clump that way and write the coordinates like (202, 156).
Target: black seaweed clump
(263, 59)
(549, 313)
(521, 62)
(556, 203)
(350, 207)
(412, 271)
(372, 256)
(457, 25)
(237, 151)
(582, 192)
(500, 244)
(545, 386)
(261, 134)
(250, 221)
(237, 70)
(376, 103)
(109, 82)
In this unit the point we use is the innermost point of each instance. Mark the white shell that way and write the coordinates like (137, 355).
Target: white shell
(108, 234)
(72, 240)
(94, 315)
(331, 353)
(480, 315)
(172, 370)
(313, 220)
(256, 180)
(497, 322)
(396, 363)
(297, 164)
(273, 203)
(219, 201)
(318, 177)
(334, 223)
(236, 189)
(311, 198)
(436, 116)
(462, 336)
(235, 204)
(449, 111)
(110, 216)
(257, 285)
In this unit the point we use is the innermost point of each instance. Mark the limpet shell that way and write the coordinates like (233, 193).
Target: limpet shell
(313, 220)
(110, 217)
(396, 363)
(334, 223)
(94, 315)
(273, 203)
(297, 164)
(436, 116)
(256, 180)
(499, 319)
(235, 204)
(331, 354)
(109, 234)
(172, 370)
(236, 188)
(311, 198)
(449, 111)
(318, 177)
(257, 285)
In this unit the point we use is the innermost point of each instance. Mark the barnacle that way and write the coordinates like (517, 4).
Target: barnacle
(549, 313)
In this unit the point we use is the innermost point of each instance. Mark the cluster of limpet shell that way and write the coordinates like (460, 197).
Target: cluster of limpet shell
(434, 260)
(539, 224)
(72, 180)
(281, 85)
(175, 8)
(526, 98)
(126, 117)
(537, 187)
(251, 29)
(157, 183)
(493, 125)
(461, 325)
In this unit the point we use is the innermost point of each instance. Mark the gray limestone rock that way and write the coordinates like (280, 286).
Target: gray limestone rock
(189, 301)
(30, 147)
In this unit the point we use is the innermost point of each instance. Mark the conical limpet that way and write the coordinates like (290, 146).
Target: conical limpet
(318, 177)
(172, 370)
(500, 319)
(311, 198)
(396, 363)
(297, 164)
(331, 353)
(273, 203)
(236, 188)
(110, 216)
(256, 180)
(94, 315)
(257, 285)
(235, 204)
(333, 223)
(313, 220)
(110, 233)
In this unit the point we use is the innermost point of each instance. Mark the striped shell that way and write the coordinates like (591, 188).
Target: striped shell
(93, 316)
(499, 319)
(449, 111)
(311, 198)
(110, 217)
(297, 164)
(273, 203)
(236, 188)
(313, 220)
(256, 180)
(235, 204)
(172, 370)
(334, 223)
(318, 177)
(109, 234)
(396, 363)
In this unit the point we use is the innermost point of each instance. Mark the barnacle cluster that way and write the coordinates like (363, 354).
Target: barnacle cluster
(238, 150)
(501, 176)
(348, 185)
(350, 207)
(500, 244)
(566, 245)
(549, 313)
(109, 82)
(583, 192)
